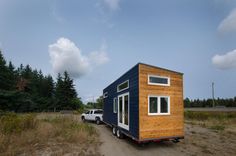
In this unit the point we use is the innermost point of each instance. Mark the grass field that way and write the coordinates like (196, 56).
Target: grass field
(213, 120)
(46, 134)
(206, 133)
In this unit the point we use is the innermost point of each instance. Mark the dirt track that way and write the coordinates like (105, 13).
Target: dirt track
(198, 141)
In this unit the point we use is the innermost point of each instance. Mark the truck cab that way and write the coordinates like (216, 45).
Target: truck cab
(93, 115)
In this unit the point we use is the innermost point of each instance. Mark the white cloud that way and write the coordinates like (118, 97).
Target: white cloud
(112, 4)
(225, 61)
(229, 23)
(66, 56)
(99, 57)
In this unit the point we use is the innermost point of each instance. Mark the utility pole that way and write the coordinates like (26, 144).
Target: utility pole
(213, 99)
(93, 102)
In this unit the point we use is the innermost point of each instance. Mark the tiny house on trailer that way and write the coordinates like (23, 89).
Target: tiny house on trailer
(146, 104)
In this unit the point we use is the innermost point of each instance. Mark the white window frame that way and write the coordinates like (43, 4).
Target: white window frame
(159, 84)
(159, 104)
(115, 105)
(105, 95)
(123, 88)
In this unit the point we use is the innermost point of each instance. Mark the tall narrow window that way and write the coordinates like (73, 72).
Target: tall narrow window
(164, 104)
(153, 105)
(123, 86)
(105, 95)
(115, 105)
(120, 109)
(158, 105)
(158, 80)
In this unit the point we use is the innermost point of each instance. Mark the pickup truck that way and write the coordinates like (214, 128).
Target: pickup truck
(93, 115)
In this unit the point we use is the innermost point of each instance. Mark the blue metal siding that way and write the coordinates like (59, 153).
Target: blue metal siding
(108, 115)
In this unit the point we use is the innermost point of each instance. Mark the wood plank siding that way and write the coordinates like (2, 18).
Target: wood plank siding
(160, 126)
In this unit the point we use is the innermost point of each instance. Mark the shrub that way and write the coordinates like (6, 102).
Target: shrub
(12, 122)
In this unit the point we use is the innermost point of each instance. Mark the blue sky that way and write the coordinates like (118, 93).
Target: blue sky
(99, 40)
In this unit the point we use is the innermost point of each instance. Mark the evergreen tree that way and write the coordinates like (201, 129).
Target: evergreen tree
(12, 76)
(4, 74)
(65, 93)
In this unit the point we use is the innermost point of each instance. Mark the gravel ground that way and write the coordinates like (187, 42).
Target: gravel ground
(198, 141)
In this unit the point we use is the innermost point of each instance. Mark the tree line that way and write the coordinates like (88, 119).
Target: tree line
(23, 89)
(227, 102)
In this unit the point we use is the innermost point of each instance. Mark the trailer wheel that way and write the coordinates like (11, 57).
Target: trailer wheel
(175, 140)
(114, 130)
(119, 134)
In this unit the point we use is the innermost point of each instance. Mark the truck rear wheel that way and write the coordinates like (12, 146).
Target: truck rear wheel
(119, 134)
(83, 119)
(98, 121)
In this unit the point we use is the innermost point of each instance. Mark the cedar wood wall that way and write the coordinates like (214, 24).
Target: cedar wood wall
(158, 126)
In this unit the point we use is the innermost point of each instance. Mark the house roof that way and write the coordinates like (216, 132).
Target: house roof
(145, 65)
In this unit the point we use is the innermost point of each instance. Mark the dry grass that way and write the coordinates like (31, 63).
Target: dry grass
(46, 134)
(217, 121)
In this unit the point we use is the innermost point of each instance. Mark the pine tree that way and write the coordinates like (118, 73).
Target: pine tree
(5, 82)
(12, 76)
(58, 92)
(65, 92)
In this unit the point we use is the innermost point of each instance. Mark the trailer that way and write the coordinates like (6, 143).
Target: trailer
(146, 104)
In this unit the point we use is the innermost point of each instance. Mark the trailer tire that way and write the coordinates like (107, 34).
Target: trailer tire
(119, 134)
(114, 130)
(175, 140)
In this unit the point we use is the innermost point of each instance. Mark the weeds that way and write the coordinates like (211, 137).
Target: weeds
(12, 123)
(218, 127)
(26, 134)
(213, 120)
(209, 115)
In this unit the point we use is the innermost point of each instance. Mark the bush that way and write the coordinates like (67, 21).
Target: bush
(12, 122)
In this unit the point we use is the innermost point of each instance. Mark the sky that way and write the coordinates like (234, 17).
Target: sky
(97, 41)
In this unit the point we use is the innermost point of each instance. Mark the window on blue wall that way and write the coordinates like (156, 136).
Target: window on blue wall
(115, 105)
(158, 80)
(123, 86)
(105, 95)
(158, 105)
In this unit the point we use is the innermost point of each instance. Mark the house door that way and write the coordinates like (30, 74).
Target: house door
(123, 111)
